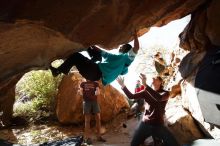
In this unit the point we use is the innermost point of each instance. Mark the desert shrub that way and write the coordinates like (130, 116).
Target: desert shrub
(40, 89)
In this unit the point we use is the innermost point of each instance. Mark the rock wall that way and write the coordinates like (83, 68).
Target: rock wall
(200, 37)
(202, 32)
(7, 99)
(29, 46)
(191, 103)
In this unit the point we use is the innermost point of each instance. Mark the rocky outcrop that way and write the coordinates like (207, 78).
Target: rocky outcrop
(181, 123)
(191, 103)
(108, 22)
(69, 102)
(201, 37)
(7, 99)
(29, 46)
(56, 25)
(203, 30)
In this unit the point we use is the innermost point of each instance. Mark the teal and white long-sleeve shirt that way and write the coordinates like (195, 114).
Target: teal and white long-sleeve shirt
(115, 65)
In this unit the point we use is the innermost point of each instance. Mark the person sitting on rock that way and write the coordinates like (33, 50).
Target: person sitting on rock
(159, 63)
(107, 70)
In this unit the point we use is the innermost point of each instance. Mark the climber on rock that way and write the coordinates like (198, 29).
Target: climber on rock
(95, 69)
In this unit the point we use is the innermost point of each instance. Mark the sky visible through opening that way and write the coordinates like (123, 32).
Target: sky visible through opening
(165, 37)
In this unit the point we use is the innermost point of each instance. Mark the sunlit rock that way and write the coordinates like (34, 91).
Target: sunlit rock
(181, 124)
(191, 103)
(69, 102)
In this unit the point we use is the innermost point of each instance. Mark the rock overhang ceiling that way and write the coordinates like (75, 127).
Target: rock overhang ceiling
(35, 32)
(108, 23)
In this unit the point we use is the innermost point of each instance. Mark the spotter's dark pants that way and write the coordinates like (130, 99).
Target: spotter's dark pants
(145, 130)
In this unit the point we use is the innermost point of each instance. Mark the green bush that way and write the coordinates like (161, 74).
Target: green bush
(41, 88)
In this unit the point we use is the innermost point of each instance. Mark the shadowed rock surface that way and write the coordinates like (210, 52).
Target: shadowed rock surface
(48, 27)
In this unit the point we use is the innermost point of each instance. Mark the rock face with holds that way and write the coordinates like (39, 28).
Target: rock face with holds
(69, 102)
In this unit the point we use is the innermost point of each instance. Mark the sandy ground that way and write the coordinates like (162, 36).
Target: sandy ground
(120, 136)
(113, 132)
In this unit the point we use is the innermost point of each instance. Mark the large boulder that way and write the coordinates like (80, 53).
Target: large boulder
(181, 123)
(69, 102)
(191, 103)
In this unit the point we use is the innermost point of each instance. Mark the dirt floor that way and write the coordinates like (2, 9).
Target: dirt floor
(115, 132)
